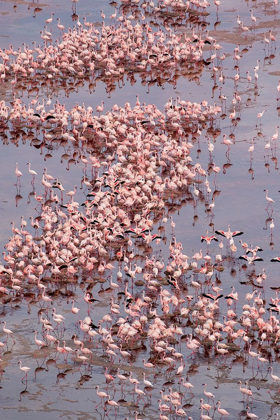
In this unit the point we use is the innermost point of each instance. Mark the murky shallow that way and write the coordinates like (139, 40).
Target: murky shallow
(66, 388)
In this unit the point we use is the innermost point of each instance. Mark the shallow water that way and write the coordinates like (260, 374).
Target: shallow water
(67, 389)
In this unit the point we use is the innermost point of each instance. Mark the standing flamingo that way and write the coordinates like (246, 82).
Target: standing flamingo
(8, 332)
(101, 395)
(24, 369)
(268, 199)
(207, 393)
(222, 411)
(32, 172)
(18, 174)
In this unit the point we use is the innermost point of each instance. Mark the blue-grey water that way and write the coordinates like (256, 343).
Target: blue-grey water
(66, 390)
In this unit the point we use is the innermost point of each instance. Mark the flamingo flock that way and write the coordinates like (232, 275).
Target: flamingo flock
(102, 262)
(86, 245)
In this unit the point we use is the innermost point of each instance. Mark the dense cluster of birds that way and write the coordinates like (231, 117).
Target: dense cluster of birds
(174, 314)
(87, 53)
(144, 301)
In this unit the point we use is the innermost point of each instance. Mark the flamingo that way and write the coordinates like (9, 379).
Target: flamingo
(251, 415)
(101, 395)
(139, 392)
(227, 142)
(100, 108)
(252, 147)
(60, 349)
(229, 234)
(205, 406)
(74, 310)
(50, 19)
(268, 199)
(81, 357)
(260, 114)
(187, 385)
(72, 193)
(18, 174)
(250, 260)
(275, 136)
(274, 377)
(24, 369)
(271, 36)
(267, 146)
(8, 332)
(245, 391)
(146, 382)
(222, 411)
(66, 348)
(38, 342)
(180, 412)
(207, 393)
(112, 403)
(204, 416)
(60, 27)
(253, 18)
(46, 298)
(31, 171)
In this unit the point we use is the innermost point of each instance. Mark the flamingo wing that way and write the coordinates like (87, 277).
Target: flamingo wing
(173, 282)
(244, 257)
(221, 232)
(145, 230)
(119, 236)
(208, 296)
(130, 230)
(213, 238)
(275, 259)
(258, 248)
(237, 233)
